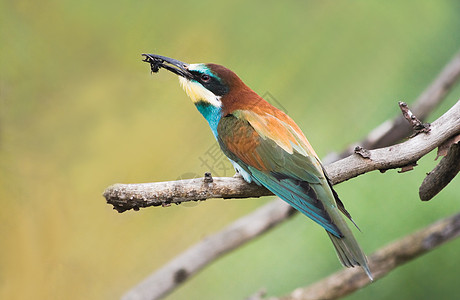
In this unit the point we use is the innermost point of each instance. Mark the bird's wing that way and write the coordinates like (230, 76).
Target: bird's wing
(278, 156)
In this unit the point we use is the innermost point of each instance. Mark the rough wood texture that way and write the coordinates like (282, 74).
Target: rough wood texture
(133, 196)
(381, 262)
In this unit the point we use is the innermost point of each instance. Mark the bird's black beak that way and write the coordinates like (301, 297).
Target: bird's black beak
(177, 67)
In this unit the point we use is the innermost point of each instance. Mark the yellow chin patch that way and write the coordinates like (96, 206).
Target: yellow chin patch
(197, 92)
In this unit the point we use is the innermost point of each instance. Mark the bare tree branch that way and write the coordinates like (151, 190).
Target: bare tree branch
(381, 262)
(127, 196)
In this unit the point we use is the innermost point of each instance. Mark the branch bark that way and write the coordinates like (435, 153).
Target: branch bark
(381, 262)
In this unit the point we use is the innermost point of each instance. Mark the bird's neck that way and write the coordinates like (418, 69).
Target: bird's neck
(211, 113)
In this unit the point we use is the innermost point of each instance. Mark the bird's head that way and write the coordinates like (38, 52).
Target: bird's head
(215, 90)
(205, 84)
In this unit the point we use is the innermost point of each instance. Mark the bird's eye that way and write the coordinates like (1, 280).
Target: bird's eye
(205, 77)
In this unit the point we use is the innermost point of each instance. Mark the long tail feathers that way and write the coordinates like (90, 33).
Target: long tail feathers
(349, 253)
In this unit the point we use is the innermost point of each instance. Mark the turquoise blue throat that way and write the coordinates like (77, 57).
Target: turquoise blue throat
(211, 113)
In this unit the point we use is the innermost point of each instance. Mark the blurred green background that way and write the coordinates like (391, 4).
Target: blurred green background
(80, 111)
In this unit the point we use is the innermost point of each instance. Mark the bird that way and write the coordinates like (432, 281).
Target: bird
(266, 147)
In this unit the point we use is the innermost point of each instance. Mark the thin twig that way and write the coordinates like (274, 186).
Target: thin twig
(417, 125)
(381, 262)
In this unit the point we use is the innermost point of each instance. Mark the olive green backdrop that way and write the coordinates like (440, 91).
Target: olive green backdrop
(80, 111)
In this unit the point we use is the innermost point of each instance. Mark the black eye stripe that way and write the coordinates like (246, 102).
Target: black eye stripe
(210, 82)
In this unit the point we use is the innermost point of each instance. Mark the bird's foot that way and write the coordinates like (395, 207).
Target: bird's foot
(237, 175)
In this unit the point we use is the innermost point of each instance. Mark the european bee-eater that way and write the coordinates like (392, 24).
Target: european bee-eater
(266, 147)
